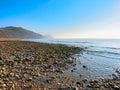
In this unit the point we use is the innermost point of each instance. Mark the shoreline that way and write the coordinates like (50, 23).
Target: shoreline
(10, 39)
(28, 65)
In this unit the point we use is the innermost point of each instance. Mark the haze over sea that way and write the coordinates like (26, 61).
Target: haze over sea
(101, 56)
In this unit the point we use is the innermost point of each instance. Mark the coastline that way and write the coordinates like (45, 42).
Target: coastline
(28, 65)
(10, 39)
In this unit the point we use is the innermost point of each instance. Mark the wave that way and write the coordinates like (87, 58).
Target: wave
(71, 42)
(103, 52)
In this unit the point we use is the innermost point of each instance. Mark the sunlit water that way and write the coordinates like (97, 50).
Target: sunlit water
(102, 57)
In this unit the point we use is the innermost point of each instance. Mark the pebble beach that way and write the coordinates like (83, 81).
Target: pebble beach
(28, 65)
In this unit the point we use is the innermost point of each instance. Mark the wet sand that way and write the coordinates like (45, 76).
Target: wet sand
(39, 66)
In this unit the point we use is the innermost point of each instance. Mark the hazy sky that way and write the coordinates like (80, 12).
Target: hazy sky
(64, 18)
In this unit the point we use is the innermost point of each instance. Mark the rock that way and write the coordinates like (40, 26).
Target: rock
(89, 85)
(0, 58)
(18, 77)
(80, 75)
(48, 81)
(4, 85)
(45, 89)
(1, 82)
(25, 75)
(118, 71)
(29, 79)
(74, 64)
(3, 69)
(74, 88)
(115, 75)
(53, 77)
(6, 80)
(71, 61)
(27, 87)
(38, 75)
(84, 66)
(79, 62)
(85, 80)
(12, 74)
(1, 63)
(60, 71)
(78, 83)
(116, 87)
(72, 70)
(93, 81)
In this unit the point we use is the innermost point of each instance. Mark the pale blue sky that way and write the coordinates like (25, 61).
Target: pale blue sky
(64, 18)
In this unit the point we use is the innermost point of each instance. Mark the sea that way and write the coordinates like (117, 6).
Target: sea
(101, 57)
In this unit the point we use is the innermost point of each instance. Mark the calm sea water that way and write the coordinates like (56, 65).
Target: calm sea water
(102, 57)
